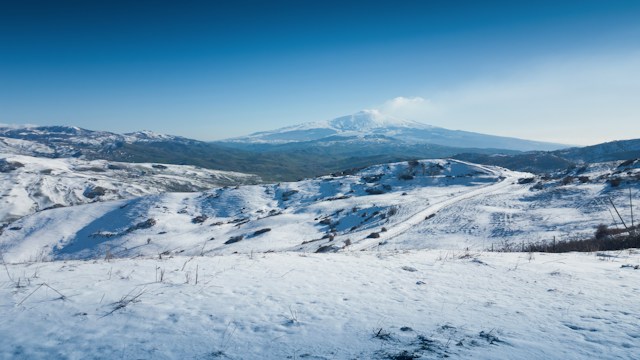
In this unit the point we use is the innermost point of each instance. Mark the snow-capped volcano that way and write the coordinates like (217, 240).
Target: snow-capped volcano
(367, 123)
(368, 120)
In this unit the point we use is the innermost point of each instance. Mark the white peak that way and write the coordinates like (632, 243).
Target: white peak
(148, 134)
(370, 119)
(365, 122)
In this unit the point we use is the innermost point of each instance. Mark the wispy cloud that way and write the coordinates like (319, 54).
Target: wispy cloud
(412, 108)
(16, 126)
(580, 100)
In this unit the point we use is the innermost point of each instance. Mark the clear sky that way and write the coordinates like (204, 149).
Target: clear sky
(562, 71)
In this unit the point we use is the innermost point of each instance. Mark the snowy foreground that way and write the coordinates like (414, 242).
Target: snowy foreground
(352, 305)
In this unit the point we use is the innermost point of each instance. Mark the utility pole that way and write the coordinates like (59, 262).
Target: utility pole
(631, 207)
(617, 212)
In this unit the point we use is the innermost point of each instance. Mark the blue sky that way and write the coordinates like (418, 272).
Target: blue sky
(562, 71)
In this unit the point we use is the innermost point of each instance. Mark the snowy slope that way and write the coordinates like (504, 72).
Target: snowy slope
(357, 305)
(161, 280)
(30, 184)
(614, 150)
(66, 141)
(437, 204)
(24, 147)
(373, 123)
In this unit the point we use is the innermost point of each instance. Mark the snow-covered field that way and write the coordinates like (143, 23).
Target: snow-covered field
(353, 305)
(387, 263)
(434, 204)
(31, 184)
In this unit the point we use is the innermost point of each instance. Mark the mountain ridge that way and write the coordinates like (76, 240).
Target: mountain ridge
(373, 122)
(291, 160)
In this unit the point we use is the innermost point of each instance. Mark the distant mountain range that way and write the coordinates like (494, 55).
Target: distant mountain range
(369, 124)
(308, 150)
(71, 141)
(548, 161)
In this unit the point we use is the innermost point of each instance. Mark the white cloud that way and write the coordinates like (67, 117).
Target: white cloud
(16, 126)
(403, 102)
(412, 108)
(580, 100)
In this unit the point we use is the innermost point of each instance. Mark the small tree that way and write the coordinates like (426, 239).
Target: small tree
(602, 231)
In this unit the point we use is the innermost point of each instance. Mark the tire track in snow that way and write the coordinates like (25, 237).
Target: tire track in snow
(506, 179)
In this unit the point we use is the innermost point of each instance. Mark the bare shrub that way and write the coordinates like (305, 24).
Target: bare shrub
(234, 239)
(567, 180)
(583, 179)
(392, 211)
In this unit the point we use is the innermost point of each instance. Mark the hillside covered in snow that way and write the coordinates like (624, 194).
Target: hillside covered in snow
(435, 204)
(386, 263)
(31, 184)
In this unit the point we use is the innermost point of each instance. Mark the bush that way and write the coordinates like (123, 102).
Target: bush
(94, 192)
(583, 179)
(286, 196)
(567, 180)
(261, 231)
(604, 240)
(6, 166)
(538, 186)
(615, 182)
(522, 181)
(627, 163)
(199, 219)
(372, 178)
(234, 239)
(374, 191)
(601, 232)
(327, 248)
(142, 225)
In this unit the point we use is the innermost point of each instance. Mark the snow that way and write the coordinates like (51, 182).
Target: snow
(237, 273)
(368, 120)
(372, 123)
(42, 183)
(430, 204)
(353, 305)
(360, 124)
(23, 147)
(70, 141)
